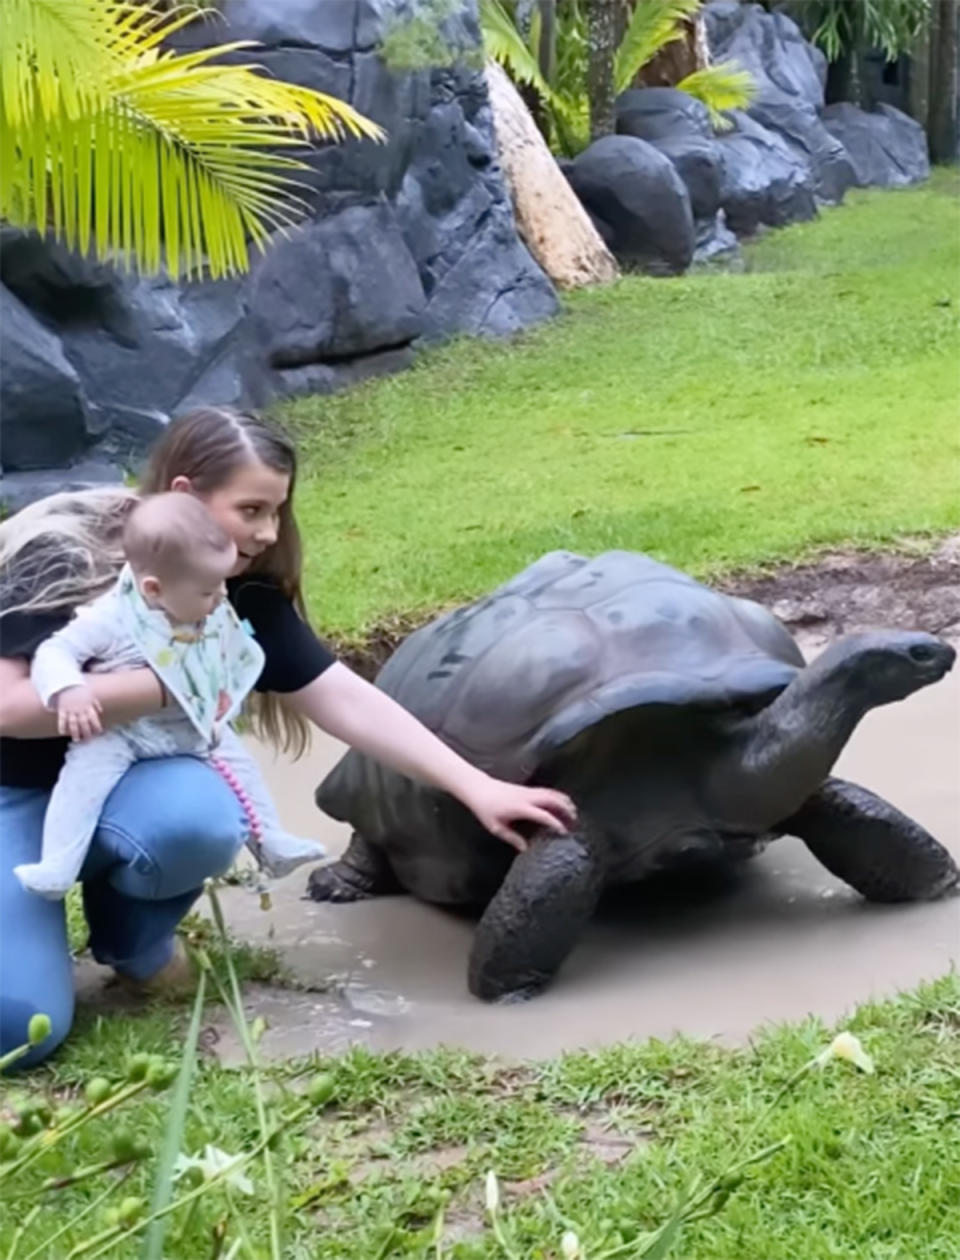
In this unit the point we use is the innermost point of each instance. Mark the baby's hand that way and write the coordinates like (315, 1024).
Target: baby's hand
(78, 713)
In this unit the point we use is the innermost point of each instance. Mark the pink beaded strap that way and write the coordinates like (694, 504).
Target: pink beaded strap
(256, 830)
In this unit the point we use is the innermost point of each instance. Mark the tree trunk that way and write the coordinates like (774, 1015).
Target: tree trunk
(942, 119)
(602, 28)
(678, 59)
(551, 220)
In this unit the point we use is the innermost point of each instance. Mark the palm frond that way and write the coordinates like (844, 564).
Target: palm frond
(653, 25)
(60, 55)
(720, 87)
(174, 157)
(503, 41)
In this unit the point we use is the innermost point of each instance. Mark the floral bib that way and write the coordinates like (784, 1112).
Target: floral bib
(209, 668)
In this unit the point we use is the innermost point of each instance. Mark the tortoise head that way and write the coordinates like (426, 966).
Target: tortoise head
(888, 665)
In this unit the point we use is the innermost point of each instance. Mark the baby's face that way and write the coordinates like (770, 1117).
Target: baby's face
(191, 598)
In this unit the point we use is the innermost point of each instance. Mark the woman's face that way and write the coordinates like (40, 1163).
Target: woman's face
(247, 507)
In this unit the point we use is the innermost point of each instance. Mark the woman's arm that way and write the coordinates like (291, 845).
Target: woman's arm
(343, 704)
(124, 696)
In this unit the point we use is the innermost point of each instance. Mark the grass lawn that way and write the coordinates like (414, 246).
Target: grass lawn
(716, 421)
(602, 1143)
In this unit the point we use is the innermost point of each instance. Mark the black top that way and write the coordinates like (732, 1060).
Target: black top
(294, 658)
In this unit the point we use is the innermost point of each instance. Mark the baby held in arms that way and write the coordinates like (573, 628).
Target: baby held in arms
(168, 610)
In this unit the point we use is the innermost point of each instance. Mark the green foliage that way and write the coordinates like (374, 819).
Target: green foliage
(504, 42)
(142, 154)
(653, 25)
(845, 26)
(777, 1149)
(719, 88)
(420, 42)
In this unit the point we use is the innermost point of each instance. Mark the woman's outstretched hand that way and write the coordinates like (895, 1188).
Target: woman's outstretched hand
(361, 715)
(497, 805)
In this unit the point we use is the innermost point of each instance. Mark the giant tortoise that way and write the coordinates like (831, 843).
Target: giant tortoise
(684, 723)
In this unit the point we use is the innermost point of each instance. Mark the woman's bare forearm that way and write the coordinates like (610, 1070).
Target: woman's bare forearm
(124, 696)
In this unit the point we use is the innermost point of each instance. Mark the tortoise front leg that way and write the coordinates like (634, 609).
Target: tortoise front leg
(871, 846)
(362, 872)
(535, 919)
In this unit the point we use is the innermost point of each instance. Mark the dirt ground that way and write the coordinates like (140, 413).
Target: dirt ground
(843, 591)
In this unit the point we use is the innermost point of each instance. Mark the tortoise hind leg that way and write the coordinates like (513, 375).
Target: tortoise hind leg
(535, 919)
(872, 846)
(362, 872)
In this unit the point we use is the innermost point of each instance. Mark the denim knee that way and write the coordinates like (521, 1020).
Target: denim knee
(167, 826)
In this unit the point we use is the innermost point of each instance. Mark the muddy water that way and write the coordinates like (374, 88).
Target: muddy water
(784, 940)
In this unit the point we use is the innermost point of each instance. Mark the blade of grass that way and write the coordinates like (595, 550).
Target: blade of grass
(173, 1137)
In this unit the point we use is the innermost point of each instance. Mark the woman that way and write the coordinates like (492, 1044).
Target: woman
(170, 824)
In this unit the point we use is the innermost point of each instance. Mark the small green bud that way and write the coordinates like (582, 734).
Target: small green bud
(141, 1149)
(130, 1209)
(98, 1090)
(137, 1066)
(321, 1089)
(192, 1177)
(27, 1123)
(8, 1142)
(111, 1217)
(160, 1075)
(124, 1145)
(39, 1028)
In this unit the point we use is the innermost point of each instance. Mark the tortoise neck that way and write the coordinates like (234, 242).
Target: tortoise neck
(784, 753)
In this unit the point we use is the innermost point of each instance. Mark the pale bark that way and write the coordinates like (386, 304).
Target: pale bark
(556, 228)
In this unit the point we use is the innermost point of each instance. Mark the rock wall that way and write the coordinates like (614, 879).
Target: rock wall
(776, 163)
(407, 242)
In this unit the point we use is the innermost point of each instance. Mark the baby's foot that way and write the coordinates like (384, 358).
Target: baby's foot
(44, 879)
(280, 853)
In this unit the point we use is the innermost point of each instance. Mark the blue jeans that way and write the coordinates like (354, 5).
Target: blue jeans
(168, 825)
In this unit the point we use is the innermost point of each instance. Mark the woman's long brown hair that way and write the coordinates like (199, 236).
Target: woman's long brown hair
(209, 445)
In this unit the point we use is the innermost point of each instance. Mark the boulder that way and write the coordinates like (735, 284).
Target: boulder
(679, 127)
(18, 489)
(699, 164)
(661, 113)
(44, 418)
(887, 148)
(789, 74)
(762, 180)
(336, 289)
(715, 243)
(639, 203)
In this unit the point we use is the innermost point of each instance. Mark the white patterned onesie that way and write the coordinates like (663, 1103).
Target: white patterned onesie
(208, 671)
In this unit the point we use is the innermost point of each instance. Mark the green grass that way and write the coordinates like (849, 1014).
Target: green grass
(607, 1139)
(717, 421)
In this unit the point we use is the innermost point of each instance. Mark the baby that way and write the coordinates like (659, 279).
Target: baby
(167, 610)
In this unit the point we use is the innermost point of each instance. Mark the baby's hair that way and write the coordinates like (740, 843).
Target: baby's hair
(168, 534)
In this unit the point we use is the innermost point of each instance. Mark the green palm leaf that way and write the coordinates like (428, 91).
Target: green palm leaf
(653, 25)
(720, 87)
(153, 155)
(505, 44)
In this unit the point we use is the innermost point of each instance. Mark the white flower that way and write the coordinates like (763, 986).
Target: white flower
(212, 1163)
(492, 1191)
(570, 1246)
(846, 1046)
